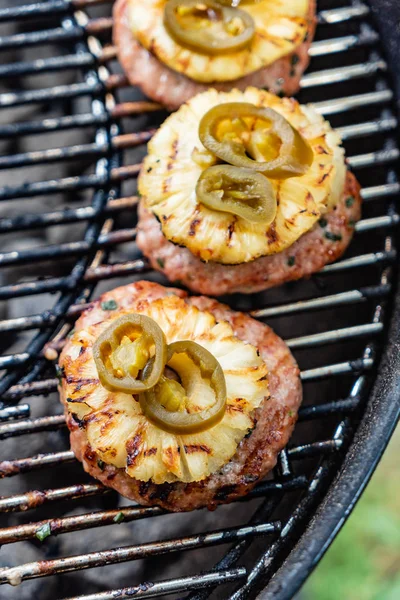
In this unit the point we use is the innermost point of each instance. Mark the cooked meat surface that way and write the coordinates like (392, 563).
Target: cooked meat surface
(323, 244)
(257, 453)
(170, 88)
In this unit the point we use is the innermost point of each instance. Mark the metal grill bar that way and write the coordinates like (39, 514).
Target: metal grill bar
(116, 555)
(183, 584)
(350, 367)
(35, 498)
(344, 298)
(343, 44)
(14, 412)
(339, 15)
(31, 426)
(65, 216)
(331, 76)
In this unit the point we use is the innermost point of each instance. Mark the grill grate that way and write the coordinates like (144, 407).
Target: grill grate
(342, 310)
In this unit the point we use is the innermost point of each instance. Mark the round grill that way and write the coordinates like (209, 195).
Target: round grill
(73, 134)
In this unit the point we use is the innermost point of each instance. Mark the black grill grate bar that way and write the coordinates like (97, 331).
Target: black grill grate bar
(72, 215)
(127, 553)
(140, 266)
(10, 468)
(362, 260)
(381, 157)
(332, 76)
(33, 10)
(33, 499)
(350, 367)
(334, 336)
(377, 223)
(58, 92)
(384, 124)
(307, 413)
(78, 89)
(76, 121)
(9, 535)
(16, 428)
(367, 37)
(14, 412)
(131, 513)
(339, 15)
(8, 361)
(315, 449)
(348, 103)
(134, 139)
(169, 586)
(55, 63)
(51, 423)
(47, 36)
(343, 298)
(68, 184)
(34, 255)
(70, 152)
(380, 191)
(62, 217)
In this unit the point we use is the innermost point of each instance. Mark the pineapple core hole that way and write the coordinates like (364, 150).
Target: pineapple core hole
(259, 142)
(193, 391)
(129, 352)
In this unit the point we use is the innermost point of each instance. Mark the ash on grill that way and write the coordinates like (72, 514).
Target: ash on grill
(48, 231)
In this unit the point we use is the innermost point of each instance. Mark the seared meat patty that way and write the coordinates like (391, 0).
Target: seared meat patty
(256, 454)
(323, 244)
(170, 88)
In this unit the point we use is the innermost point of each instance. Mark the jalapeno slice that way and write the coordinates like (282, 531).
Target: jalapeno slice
(165, 405)
(241, 192)
(123, 350)
(208, 27)
(258, 138)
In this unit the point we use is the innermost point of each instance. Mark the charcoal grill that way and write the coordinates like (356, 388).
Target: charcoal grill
(342, 324)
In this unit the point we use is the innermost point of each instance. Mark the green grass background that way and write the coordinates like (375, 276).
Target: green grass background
(363, 563)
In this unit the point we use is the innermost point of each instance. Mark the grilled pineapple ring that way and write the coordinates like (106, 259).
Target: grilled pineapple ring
(280, 27)
(170, 173)
(121, 435)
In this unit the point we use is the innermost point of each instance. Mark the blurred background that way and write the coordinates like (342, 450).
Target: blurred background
(363, 563)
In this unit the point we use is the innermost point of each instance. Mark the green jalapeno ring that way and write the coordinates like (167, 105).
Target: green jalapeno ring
(109, 342)
(241, 192)
(207, 41)
(180, 422)
(295, 155)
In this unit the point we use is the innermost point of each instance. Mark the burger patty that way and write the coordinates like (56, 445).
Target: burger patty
(170, 88)
(323, 244)
(257, 453)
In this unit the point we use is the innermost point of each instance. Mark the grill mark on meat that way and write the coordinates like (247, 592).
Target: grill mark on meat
(144, 487)
(191, 448)
(161, 492)
(224, 492)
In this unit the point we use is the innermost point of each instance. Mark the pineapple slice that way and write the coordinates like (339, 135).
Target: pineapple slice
(121, 435)
(281, 26)
(172, 168)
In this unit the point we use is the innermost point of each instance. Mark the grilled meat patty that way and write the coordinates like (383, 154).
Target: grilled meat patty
(256, 454)
(170, 88)
(323, 244)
